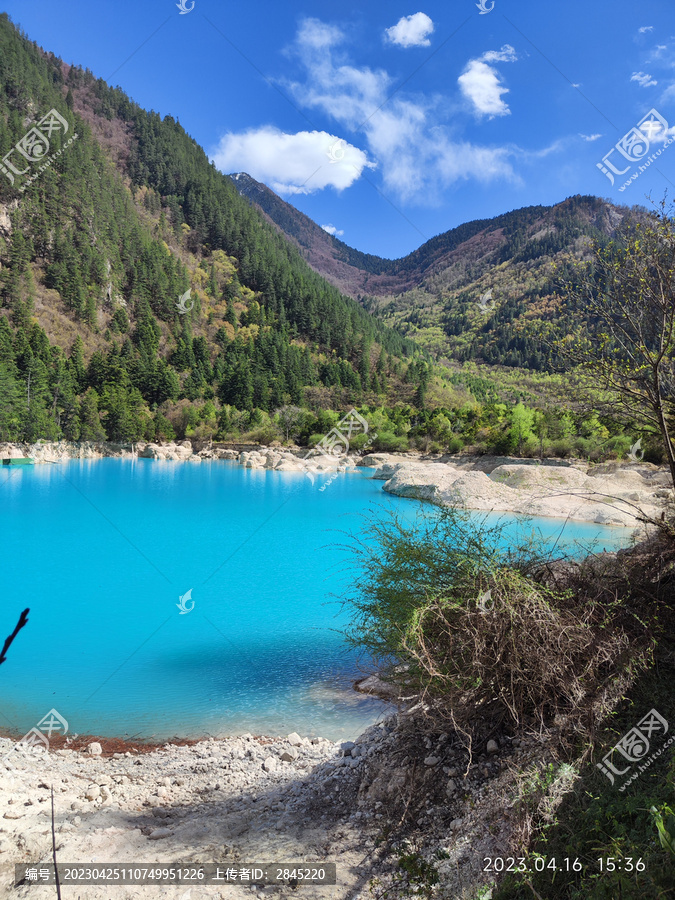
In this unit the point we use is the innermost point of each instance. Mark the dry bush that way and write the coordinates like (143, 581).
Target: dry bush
(532, 655)
(542, 649)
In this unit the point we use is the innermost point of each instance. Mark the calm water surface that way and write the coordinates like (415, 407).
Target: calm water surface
(103, 550)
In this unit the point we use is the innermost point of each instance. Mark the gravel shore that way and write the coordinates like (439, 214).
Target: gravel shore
(244, 799)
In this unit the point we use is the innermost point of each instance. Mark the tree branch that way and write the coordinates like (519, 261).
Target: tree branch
(23, 619)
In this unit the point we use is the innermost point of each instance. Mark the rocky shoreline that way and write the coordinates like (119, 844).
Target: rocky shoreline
(247, 799)
(608, 494)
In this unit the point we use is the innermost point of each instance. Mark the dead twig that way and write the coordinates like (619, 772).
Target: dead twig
(23, 620)
(56, 868)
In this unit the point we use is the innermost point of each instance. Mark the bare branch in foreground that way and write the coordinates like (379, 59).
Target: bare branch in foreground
(23, 620)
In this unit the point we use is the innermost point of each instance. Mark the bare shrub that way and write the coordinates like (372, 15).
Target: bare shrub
(534, 654)
(465, 622)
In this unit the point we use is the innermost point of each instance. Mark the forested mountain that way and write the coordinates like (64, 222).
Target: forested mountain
(142, 297)
(108, 216)
(342, 265)
(433, 294)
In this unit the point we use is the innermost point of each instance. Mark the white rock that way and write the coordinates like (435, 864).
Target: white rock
(159, 833)
(94, 749)
(288, 755)
(295, 739)
(270, 764)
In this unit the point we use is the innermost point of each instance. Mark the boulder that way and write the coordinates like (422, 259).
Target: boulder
(373, 684)
(375, 460)
(425, 481)
(537, 477)
(288, 755)
(181, 451)
(152, 451)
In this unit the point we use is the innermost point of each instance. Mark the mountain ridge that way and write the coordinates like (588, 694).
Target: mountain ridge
(300, 227)
(433, 294)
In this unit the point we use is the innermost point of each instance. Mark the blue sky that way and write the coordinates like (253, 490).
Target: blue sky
(392, 122)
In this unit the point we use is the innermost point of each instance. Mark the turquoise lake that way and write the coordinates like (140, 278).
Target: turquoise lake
(101, 551)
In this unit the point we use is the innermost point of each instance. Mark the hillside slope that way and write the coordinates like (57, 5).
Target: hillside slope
(108, 216)
(433, 294)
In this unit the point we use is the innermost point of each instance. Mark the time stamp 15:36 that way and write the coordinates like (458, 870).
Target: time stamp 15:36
(564, 864)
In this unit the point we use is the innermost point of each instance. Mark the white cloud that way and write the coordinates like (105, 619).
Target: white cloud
(298, 163)
(480, 82)
(415, 153)
(557, 146)
(590, 137)
(347, 93)
(411, 31)
(660, 56)
(316, 34)
(668, 95)
(659, 133)
(506, 54)
(642, 79)
(645, 29)
(331, 229)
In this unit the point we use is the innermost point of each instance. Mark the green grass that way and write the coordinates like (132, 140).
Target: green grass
(596, 820)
